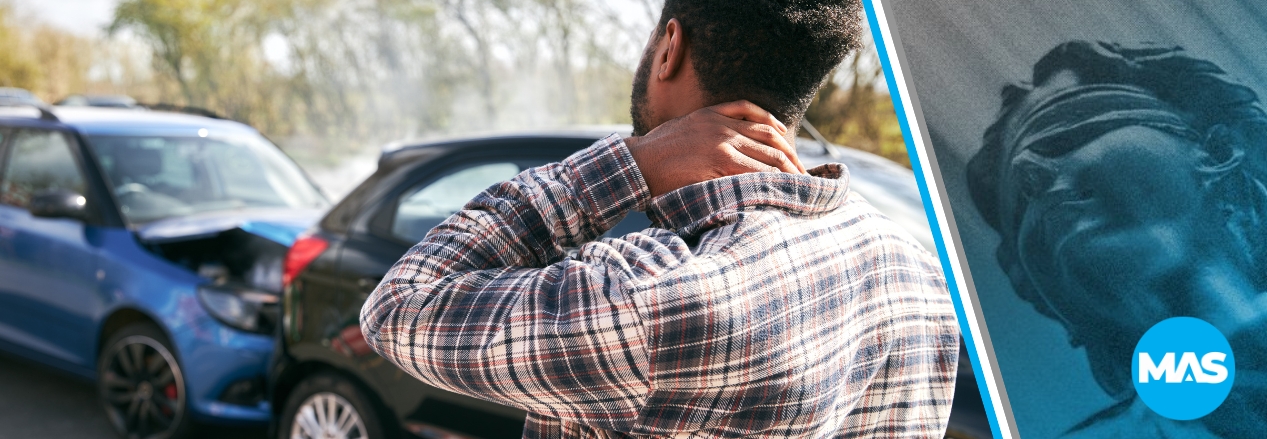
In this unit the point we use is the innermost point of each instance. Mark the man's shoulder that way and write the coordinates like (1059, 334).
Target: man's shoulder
(858, 226)
(852, 229)
(854, 238)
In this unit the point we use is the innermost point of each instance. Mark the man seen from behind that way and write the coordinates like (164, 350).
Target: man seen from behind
(765, 301)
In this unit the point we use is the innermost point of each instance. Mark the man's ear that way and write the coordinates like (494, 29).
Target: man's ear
(1224, 150)
(673, 55)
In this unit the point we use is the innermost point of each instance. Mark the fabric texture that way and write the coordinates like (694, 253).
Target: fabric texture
(760, 305)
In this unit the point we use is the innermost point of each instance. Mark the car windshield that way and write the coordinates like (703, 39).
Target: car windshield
(162, 177)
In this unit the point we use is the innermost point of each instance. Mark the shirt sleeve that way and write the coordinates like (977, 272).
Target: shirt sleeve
(488, 305)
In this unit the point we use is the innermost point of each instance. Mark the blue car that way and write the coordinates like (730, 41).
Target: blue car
(145, 250)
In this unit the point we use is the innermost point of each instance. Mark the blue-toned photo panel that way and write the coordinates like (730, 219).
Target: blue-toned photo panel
(1099, 170)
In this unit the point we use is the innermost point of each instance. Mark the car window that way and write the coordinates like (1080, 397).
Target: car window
(426, 205)
(39, 160)
(157, 177)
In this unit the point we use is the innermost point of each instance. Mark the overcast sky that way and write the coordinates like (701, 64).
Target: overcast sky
(85, 17)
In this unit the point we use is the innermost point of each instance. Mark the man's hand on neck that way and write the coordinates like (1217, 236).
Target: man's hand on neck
(713, 142)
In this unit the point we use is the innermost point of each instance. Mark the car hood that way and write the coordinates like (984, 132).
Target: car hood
(282, 226)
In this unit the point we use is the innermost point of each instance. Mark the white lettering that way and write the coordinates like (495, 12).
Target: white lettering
(1187, 363)
(1156, 371)
(1187, 369)
(1213, 362)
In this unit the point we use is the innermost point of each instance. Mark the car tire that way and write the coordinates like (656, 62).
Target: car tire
(329, 403)
(145, 400)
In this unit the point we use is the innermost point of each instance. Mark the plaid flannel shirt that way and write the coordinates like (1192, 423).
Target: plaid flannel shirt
(765, 304)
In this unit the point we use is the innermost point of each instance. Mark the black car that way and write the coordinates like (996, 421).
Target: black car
(327, 382)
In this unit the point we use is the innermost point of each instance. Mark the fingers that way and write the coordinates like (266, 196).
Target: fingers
(767, 135)
(752, 121)
(727, 139)
(748, 111)
(743, 164)
(765, 154)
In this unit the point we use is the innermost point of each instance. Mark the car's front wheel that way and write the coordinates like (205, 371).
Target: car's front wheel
(140, 384)
(328, 406)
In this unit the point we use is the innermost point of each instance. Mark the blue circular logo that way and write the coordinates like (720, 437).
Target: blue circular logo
(1183, 368)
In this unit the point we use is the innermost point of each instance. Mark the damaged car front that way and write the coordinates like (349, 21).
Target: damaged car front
(226, 208)
(181, 224)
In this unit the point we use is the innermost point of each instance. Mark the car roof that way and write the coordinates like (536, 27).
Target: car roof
(405, 150)
(812, 152)
(121, 121)
(581, 132)
(16, 92)
(99, 100)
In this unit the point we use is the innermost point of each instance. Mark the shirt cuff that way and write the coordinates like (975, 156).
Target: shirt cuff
(608, 181)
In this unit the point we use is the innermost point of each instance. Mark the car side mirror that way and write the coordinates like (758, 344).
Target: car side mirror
(59, 203)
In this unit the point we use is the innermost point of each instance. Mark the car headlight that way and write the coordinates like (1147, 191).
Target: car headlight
(241, 308)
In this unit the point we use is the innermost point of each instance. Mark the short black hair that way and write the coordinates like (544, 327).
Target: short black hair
(774, 53)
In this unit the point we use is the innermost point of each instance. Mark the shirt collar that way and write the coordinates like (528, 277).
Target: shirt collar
(694, 209)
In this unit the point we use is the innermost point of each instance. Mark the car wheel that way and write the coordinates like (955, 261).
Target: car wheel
(140, 384)
(328, 406)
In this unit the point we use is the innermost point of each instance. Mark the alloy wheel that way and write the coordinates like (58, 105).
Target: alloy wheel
(326, 415)
(142, 388)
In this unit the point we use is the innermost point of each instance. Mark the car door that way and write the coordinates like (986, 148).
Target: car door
(48, 265)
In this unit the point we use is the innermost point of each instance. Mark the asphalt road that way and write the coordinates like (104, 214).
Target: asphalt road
(39, 402)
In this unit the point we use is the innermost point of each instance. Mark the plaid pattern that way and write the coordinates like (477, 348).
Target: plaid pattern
(767, 305)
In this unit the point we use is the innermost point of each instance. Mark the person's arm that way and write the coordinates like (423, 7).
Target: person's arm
(486, 305)
(466, 311)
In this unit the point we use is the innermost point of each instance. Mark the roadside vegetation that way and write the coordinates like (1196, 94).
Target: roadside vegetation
(329, 78)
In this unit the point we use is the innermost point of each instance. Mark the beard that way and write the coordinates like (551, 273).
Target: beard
(639, 110)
